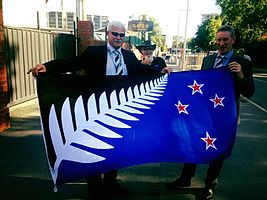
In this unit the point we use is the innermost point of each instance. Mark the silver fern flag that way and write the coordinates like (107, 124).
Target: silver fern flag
(92, 126)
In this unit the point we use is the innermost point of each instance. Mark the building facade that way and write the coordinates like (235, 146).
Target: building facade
(54, 20)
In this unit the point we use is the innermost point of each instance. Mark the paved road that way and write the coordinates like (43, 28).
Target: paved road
(24, 171)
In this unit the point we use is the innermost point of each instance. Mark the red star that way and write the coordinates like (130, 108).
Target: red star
(181, 108)
(196, 87)
(217, 101)
(209, 141)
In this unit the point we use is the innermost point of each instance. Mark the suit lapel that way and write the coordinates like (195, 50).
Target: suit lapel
(209, 62)
(103, 65)
(125, 57)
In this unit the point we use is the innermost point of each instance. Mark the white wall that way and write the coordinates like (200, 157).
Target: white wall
(23, 13)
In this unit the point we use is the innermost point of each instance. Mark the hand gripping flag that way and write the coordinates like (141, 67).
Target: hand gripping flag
(91, 127)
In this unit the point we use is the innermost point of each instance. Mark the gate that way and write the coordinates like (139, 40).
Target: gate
(24, 49)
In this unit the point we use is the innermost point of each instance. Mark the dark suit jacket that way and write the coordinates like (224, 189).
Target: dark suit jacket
(93, 61)
(159, 63)
(246, 85)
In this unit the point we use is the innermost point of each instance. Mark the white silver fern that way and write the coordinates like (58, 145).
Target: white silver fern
(132, 102)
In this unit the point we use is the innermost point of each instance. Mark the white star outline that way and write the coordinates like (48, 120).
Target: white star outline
(209, 141)
(181, 107)
(193, 87)
(217, 101)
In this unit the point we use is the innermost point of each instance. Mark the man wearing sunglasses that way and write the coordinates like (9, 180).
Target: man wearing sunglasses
(98, 62)
(146, 49)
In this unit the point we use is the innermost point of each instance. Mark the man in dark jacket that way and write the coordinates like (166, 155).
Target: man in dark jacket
(98, 62)
(146, 49)
(241, 70)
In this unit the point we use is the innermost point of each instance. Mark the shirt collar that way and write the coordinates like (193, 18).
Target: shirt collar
(228, 55)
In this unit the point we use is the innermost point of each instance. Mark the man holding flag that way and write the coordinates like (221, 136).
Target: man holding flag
(241, 70)
(103, 122)
(98, 62)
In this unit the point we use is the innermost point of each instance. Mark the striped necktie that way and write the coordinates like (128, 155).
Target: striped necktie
(219, 62)
(117, 62)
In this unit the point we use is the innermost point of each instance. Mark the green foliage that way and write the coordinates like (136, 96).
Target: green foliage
(156, 35)
(177, 41)
(205, 36)
(248, 17)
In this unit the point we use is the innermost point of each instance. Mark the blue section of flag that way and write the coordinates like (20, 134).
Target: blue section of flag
(193, 121)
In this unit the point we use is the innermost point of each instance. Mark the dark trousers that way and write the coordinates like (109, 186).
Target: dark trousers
(189, 170)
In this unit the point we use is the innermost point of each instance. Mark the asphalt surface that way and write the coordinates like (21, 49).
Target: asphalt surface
(24, 172)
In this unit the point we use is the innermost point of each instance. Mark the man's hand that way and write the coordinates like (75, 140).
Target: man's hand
(166, 70)
(236, 68)
(35, 70)
(147, 60)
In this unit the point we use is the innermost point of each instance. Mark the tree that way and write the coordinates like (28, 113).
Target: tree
(205, 35)
(156, 35)
(248, 17)
(176, 39)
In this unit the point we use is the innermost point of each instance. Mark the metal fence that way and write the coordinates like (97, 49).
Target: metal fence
(24, 49)
(27, 47)
(193, 61)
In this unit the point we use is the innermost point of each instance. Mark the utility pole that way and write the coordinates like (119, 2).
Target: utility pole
(84, 18)
(63, 15)
(177, 39)
(78, 9)
(186, 20)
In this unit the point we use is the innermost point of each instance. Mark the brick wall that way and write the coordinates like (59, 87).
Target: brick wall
(4, 111)
(86, 35)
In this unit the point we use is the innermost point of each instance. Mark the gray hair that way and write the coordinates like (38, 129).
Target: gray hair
(116, 24)
(229, 29)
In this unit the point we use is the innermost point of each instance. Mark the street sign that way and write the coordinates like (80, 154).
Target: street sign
(140, 25)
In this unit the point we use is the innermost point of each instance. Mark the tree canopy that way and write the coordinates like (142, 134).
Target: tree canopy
(205, 36)
(248, 17)
(156, 35)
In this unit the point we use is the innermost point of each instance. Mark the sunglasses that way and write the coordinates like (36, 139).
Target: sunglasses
(116, 34)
